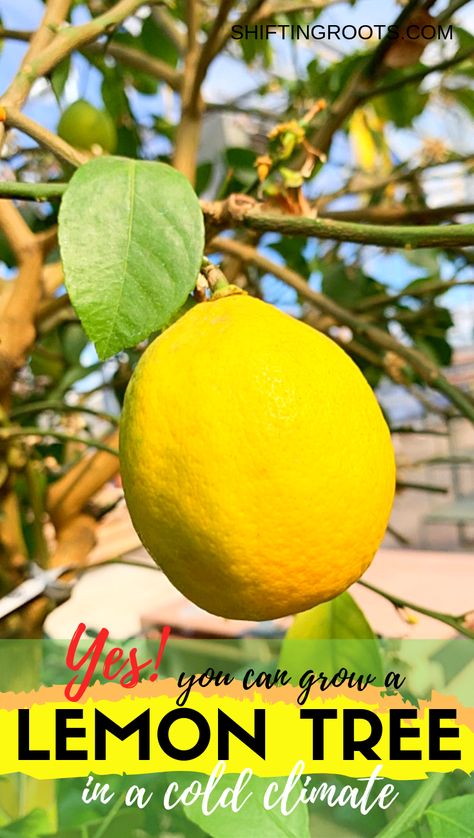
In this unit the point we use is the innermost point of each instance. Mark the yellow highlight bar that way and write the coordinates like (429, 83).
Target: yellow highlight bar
(109, 733)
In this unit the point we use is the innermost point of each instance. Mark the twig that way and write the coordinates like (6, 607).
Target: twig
(362, 184)
(32, 191)
(398, 214)
(16, 230)
(189, 129)
(61, 407)
(413, 78)
(413, 810)
(430, 287)
(64, 42)
(211, 47)
(407, 429)
(17, 326)
(248, 16)
(14, 118)
(70, 493)
(455, 622)
(379, 53)
(421, 487)
(138, 60)
(451, 10)
(362, 89)
(55, 13)
(12, 433)
(126, 55)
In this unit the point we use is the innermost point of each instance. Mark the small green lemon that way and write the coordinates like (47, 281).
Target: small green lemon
(84, 126)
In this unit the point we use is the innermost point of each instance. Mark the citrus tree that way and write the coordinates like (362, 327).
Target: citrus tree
(113, 225)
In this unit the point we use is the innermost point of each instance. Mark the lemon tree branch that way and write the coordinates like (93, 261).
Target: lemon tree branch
(232, 213)
(399, 214)
(242, 211)
(128, 56)
(14, 118)
(457, 623)
(138, 60)
(55, 13)
(45, 53)
(419, 75)
(70, 493)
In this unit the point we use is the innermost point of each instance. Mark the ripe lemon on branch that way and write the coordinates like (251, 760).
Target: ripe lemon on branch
(257, 465)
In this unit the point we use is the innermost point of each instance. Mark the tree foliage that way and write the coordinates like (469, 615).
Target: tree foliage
(306, 200)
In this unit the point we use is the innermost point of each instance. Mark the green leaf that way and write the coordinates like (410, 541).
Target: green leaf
(292, 249)
(157, 43)
(348, 285)
(59, 77)
(436, 348)
(414, 808)
(131, 236)
(401, 106)
(452, 818)
(253, 819)
(32, 825)
(339, 619)
(240, 158)
(336, 634)
(203, 177)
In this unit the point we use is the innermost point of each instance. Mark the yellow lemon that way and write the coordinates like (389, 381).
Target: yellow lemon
(257, 466)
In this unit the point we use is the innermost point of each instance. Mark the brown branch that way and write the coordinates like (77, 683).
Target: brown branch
(269, 8)
(20, 307)
(360, 183)
(129, 56)
(68, 496)
(138, 60)
(431, 286)
(63, 43)
(17, 326)
(55, 13)
(15, 229)
(16, 119)
(248, 16)
(52, 278)
(419, 75)
(357, 90)
(372, 66)
(13, 552)
(192, 106)
(192, 23)
(197, 62)
(211, 47)
(422, 365)
(399, 214)
(75, 540)
(15, 34)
